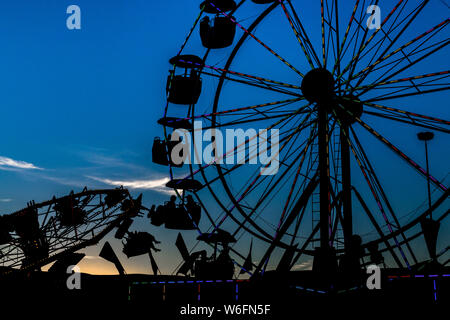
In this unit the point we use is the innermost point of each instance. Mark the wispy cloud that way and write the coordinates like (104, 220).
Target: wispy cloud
(307, 265)
(8, 164)
(148, 184)
(106, 159)
(99, 165)
(91, 258)
(6, 200)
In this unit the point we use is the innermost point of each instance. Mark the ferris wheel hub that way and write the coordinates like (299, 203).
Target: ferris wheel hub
(318, 86)
(348, 108)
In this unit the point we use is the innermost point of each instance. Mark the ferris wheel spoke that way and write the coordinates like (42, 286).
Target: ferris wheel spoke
(410, 115)
(364, 45)
(262, 83)
(433, 84)
(222, 72)
(407, 94)
(414, 236)
(256, 84)
(284, 135)
(297, 153)
(418, 77)
(377, 183)
(258, 40)
(294, 235)
(305, 244)
(322, 12)
(294, 183)
(375, 196)
(354, 39)
(351, 67)
(250, 115)
(248, 120)
(304, 34)
(227, 170)
(302, 202)
(353, 63)
(414, 84)
(393, 64)
(378, 44)
(271, 113)
(406, 87)
(286, 142)
(297, 34)
(201, 168)
(409, 225)
(263, 197)
(337, 65)
(384, 56)
(377, 227)
(225, 111)
(408, 121)
(275, 105)
(332, 30)
(401, 154)
(289, 207)
(246, 192)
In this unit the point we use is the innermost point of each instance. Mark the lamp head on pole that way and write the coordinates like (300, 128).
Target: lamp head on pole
(425, 136)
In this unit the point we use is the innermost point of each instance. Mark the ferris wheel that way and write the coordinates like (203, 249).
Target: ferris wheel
(352, 103)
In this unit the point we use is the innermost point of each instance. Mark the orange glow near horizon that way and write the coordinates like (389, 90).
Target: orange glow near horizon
(98, 266)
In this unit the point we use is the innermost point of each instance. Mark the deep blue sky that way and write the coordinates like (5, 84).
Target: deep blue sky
(82, 105)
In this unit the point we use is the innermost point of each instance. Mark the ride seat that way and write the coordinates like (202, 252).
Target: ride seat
(217, 33)
(184, 89)
(114, 197)
(178, 218)
(69, 215)
(161, 152)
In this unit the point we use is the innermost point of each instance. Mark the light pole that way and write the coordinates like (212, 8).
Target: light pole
(425, 137)
(429, 226)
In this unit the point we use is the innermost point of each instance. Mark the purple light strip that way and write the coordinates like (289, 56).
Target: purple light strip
(435, 291)
(418, 276)
(310, 289)
(188, 281)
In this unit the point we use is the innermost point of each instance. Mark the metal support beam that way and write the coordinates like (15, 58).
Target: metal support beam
(302, 202)
(324, 172)
(428, 179)
(347, 224)
(377, 227)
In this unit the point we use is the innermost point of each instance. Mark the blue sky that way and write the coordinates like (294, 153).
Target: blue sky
(79, 107)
